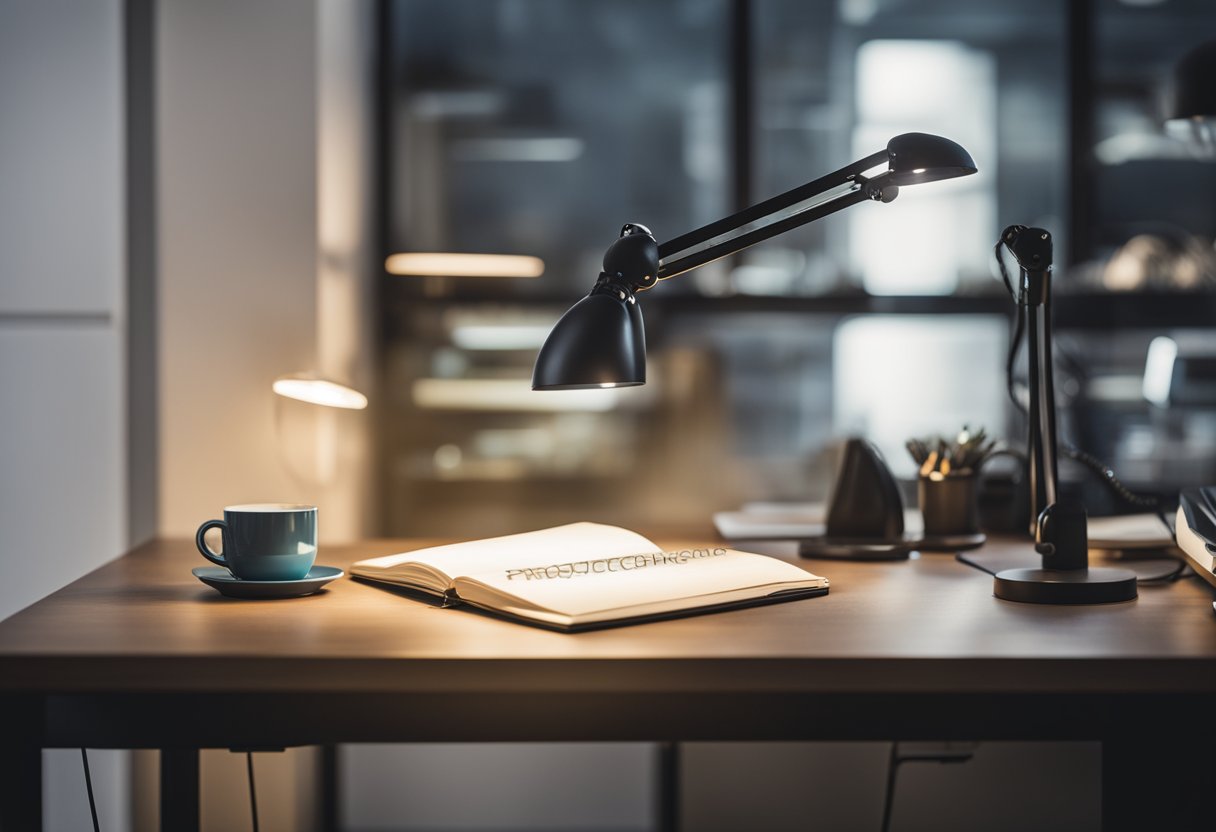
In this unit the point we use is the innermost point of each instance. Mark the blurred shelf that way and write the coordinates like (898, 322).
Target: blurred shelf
(1134, 310)
(667, 302)
(1072, 309)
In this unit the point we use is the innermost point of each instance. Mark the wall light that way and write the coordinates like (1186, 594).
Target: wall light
(449, 264)
(320, 391)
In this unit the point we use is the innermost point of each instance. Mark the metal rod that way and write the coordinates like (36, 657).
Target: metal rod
(1043, 472)
(734, 239)
(769, 207)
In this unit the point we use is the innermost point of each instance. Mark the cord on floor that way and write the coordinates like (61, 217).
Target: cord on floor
(950, 753)
(888, 802)
(253, 793)
(88, 785)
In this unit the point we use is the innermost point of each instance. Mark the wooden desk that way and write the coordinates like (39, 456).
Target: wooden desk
(132, 654)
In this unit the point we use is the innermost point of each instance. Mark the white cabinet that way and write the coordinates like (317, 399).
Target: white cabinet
(62, 459)
(61, 157)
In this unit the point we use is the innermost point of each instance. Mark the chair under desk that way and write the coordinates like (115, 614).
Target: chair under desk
(129, 655)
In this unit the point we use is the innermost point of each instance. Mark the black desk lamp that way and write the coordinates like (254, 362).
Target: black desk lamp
(1059, 529)
(600, 341)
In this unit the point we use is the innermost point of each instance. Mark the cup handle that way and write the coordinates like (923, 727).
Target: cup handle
(202, 544)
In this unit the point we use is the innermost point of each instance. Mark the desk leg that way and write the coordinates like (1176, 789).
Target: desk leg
(1159, 782)
(328, 789)
(179, 803)
(20, 764)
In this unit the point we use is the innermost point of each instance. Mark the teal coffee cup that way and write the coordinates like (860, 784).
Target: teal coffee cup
(264, 541)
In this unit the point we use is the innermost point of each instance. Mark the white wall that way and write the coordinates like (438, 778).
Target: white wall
(238, 260)
(62, 262)
(346, 158)
(237, 204)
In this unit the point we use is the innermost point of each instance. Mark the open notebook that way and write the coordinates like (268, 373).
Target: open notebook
(587, 575)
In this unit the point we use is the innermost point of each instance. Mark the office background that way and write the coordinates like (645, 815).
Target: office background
(199, 197)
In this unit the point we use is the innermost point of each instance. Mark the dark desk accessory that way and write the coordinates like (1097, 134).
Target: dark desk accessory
(600, 341)
(1196, 530)
(1059, 529)
(866, 514)
(1193, 104)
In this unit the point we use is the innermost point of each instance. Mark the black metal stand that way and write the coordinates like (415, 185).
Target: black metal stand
(1059, 530)
(1092, 585)
(21, 739)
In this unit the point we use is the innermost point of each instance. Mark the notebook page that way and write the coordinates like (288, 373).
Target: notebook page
(562, 543)
(651, 581)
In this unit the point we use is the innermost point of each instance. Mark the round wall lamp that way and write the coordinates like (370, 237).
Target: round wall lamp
(320, 391)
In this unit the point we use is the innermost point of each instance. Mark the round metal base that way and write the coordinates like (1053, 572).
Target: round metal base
(839, 548)
(1097, 585)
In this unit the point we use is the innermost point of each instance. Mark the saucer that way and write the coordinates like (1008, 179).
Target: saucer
(220, 579)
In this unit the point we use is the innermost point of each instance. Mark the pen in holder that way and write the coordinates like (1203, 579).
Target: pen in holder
(947, 485)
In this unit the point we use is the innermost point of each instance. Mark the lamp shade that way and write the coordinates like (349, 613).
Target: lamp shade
(599, 342)
(921, 157)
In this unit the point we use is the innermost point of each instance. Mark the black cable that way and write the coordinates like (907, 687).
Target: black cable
(1015, 342)
(963, 558)
(996, 252)
(1176, 574)
(253, 793)
(88, 785)
(1019, 327)
(888, 802)
(1107, 475)
(946, 756)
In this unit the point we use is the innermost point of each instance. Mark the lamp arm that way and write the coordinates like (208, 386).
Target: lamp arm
(1032, 249)
(806, 203)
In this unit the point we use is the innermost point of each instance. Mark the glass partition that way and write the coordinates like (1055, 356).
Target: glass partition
(536, 128)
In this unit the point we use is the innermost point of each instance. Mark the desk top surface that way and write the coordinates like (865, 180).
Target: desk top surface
(143, 623)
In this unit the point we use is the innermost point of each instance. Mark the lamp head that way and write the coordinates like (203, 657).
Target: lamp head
(921, 157)
(600, 341)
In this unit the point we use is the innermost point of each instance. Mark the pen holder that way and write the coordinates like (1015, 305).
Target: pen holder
(949, 504)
